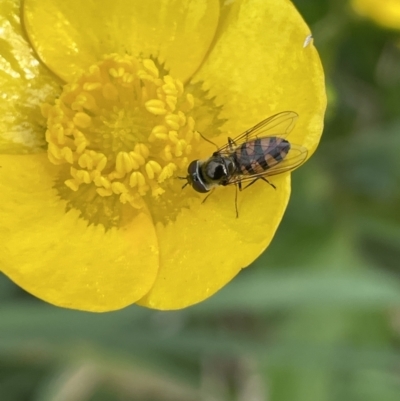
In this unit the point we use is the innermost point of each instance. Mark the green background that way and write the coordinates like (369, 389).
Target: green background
(317, 317)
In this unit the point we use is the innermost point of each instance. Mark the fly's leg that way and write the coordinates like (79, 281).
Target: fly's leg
(231, 144)
(238, 185)
(207, 196)
(264, 179)
(258, 178)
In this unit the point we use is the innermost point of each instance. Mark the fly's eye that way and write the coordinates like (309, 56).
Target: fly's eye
(192, 169)
(194, 178)
(198, 186)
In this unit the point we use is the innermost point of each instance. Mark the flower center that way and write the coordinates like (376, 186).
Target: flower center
(122, 129)
(122, 133)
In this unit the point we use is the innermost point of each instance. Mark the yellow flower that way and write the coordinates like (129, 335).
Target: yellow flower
(102, 108)
(383, 12)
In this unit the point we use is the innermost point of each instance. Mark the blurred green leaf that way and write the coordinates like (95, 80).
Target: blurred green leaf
(291, 289)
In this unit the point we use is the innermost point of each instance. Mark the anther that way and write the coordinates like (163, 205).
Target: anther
(122, 129)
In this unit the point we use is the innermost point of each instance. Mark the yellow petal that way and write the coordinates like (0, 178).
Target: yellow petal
(383, 12)
(207, 246)
(263, 62)
(56, 256)
(72, 35)
(24, 85)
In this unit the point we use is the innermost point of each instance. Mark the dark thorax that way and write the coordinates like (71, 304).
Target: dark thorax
(217, 170)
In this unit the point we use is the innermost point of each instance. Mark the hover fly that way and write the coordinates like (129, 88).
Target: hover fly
(257, 153)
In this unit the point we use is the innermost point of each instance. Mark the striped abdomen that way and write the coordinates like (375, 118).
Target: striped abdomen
(257, 156)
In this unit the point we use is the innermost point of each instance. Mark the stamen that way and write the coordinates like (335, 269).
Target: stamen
(123, 130)
(119, 126)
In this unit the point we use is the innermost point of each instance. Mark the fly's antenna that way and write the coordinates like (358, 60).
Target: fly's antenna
(184, 178)
(207, 140)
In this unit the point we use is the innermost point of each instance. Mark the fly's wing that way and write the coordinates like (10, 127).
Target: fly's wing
(295, 158)
(278, 125)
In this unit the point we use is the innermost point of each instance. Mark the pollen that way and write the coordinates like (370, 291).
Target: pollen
(122, 130)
